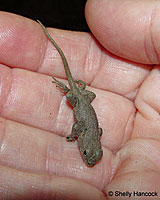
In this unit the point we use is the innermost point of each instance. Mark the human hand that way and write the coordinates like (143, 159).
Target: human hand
(35, 115)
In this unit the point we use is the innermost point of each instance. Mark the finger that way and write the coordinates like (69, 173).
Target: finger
(32, 99)
(16, 184)
(33, 150)
(140, 156)
(24, 45)
(115, 71)
(129, 29)
(20, 42)
(138, 171)
(147, 121)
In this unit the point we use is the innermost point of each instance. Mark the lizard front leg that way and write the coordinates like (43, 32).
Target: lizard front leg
(74, 134)
(100, 131)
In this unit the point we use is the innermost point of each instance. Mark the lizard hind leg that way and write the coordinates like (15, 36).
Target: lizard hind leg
(81, 84)
(87, 94)
(60, 85)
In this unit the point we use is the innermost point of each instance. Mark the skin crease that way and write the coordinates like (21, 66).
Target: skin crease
(35, 158)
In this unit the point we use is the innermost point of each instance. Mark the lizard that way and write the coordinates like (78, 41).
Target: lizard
(86, 129)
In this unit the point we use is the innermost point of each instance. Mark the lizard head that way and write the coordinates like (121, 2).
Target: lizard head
(92, 154)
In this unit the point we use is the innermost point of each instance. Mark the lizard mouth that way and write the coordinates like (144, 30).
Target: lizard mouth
(92, 161)
(94, 158)
(91, 164)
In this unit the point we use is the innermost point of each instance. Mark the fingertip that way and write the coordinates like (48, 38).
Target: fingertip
(20, 42)
(126, 28)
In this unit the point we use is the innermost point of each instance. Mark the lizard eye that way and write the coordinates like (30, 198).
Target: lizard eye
(84, 152)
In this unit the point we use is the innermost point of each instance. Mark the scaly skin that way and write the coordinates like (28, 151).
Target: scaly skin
(85, 128)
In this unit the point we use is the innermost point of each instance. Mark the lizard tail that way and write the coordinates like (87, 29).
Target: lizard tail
(65, 63)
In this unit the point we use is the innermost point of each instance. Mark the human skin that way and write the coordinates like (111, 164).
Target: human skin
(119, 62)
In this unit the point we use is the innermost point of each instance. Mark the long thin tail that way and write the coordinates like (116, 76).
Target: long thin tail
(66, 67)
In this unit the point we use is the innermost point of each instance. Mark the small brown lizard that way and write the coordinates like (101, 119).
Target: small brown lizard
(85, 129)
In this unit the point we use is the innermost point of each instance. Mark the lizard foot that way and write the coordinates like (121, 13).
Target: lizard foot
(60, 85)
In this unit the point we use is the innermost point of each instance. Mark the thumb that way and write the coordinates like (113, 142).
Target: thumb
(129, 29)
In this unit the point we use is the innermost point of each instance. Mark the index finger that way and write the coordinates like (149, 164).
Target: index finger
(24, 45)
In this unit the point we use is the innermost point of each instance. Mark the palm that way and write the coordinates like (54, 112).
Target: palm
(35, 115)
